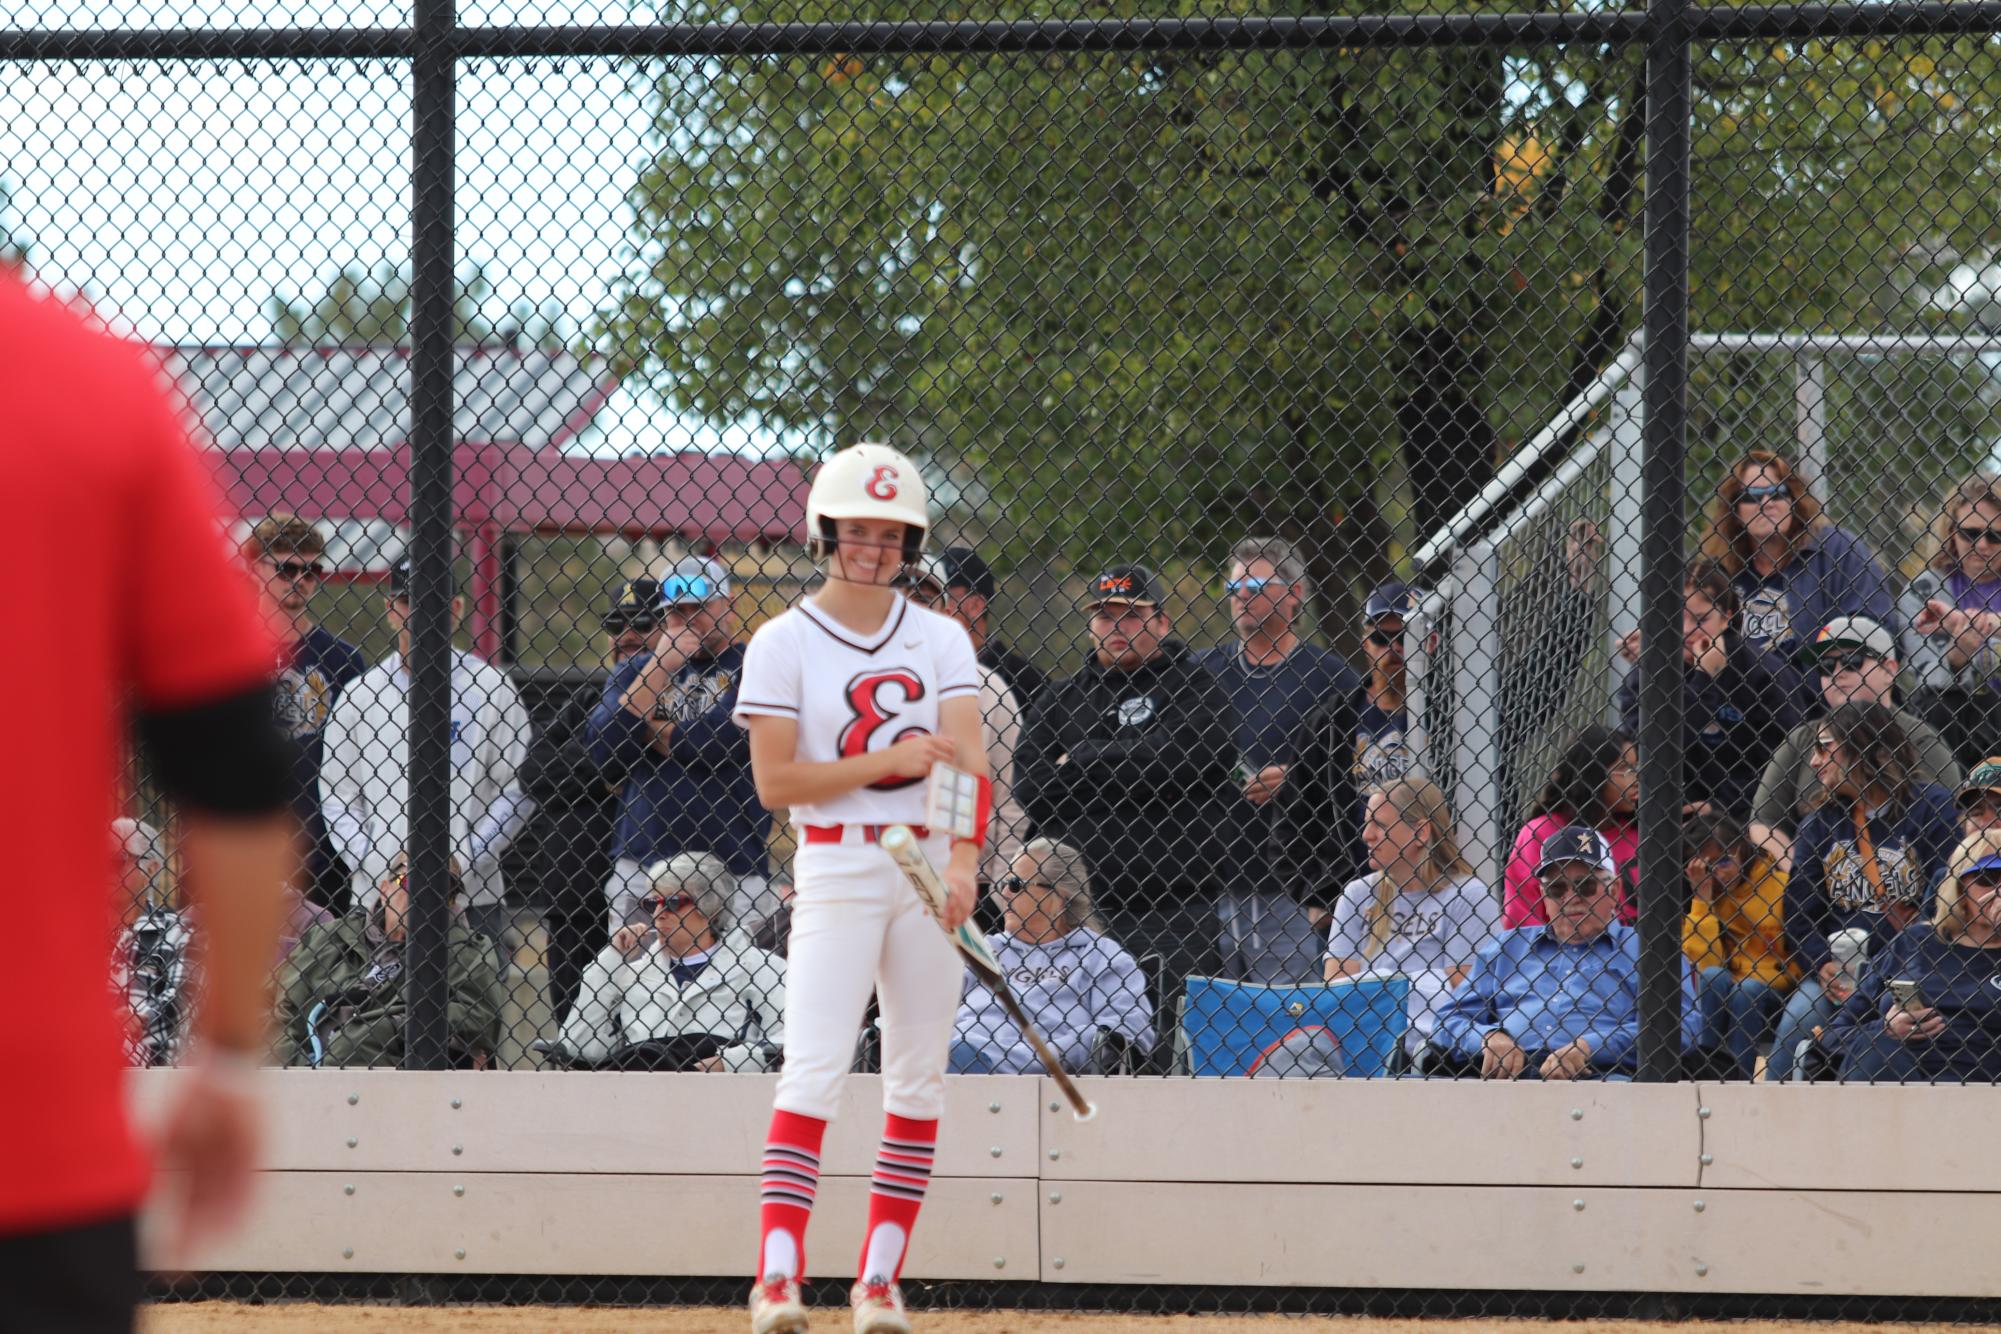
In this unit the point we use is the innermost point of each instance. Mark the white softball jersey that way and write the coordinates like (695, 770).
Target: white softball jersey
(851, 694)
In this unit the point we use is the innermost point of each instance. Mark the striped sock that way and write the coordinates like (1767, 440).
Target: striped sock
(791, 1180)
(896, 1193)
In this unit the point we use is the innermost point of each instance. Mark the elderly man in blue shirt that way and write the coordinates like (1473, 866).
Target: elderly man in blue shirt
(1558, 1001)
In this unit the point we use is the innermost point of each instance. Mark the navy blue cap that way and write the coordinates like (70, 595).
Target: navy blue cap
(1576, 843)
(1991, 862)
(1395, 598)
(636, 603)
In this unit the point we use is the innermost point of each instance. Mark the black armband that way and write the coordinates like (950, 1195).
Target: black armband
(225, 757)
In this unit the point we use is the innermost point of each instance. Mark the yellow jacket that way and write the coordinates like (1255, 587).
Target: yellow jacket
(1743, 930)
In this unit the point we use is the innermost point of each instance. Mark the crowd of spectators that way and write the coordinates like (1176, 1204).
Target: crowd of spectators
(1258, 811)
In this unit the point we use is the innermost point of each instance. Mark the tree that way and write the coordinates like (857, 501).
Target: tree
(363, 308)
(1166, 298)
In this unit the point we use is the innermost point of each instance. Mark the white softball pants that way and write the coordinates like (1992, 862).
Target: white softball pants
(857, 924)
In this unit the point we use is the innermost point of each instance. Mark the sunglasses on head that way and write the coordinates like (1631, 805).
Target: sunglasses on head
(1556, 888)
(677, 902)
(697, 588)
(1848, 660)
(298, 569)
(1758, 495)
(1247, 585)
(1976, 536)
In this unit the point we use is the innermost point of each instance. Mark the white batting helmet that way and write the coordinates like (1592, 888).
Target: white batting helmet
(868, 482)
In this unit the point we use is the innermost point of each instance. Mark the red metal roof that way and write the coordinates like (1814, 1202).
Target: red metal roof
(324, 432)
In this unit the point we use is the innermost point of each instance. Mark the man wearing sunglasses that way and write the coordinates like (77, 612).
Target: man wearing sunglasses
(576, 808)
(1855, 662)
(1558, 1000)
(662, 731)
(1274, 679)
(288, 556)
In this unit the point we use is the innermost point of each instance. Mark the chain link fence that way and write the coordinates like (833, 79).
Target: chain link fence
(1479, 530)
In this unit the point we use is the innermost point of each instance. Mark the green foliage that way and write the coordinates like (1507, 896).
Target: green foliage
(1158, 299)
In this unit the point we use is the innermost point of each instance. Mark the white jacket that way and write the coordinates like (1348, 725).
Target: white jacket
(740, 996)
(364, 777)
(1000, 721)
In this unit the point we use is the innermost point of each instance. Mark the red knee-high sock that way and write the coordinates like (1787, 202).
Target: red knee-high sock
(896, 1193)
(791, 1180)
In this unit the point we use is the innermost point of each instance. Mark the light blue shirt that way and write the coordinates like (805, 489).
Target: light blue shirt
(1546, 995)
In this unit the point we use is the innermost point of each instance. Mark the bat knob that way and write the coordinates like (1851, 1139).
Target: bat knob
(895, 837)
(1090, 1113)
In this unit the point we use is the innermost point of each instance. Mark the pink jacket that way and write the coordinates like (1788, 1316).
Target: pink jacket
(1522, 904)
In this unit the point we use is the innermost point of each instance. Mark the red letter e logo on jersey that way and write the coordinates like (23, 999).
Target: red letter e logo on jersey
(872, 712)
(882, 483)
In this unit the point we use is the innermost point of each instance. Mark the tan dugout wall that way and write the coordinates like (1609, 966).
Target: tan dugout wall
(1799, 1190)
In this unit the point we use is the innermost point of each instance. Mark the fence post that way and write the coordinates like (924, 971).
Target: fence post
(1476, 688)
(1810, 421)
(433, 115)
(1628, 450)
(1666, 211)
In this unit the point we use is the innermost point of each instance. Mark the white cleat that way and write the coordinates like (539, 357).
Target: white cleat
(878, 1307)
(775, 1307)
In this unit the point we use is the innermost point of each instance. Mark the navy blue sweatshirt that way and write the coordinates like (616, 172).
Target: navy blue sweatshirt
(1962, 982)
(1830, 891)
(321, 663)
(699, 797)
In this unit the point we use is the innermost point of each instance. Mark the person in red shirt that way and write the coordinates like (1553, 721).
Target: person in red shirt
(127, 612)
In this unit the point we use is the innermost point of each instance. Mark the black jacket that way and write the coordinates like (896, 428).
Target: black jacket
(1145, 791)
(1316, 837)
(1731, 724)
(575, 808)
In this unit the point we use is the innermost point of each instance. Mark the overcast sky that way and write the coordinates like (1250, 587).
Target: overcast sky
(180, 197)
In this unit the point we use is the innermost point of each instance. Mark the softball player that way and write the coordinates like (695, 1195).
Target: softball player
(850, 698)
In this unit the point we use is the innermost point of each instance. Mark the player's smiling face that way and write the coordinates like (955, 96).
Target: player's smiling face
(869, 551)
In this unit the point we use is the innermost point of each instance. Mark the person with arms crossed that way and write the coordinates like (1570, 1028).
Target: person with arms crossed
(145, 621)
(850, 698)
(365, 775)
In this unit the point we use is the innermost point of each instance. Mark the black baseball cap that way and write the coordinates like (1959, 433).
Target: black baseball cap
(636, 602)
(1124, 585)
(1576, 843)
(1395, 598)
(961, 567)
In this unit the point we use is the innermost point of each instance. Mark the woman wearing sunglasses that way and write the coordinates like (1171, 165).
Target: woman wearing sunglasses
(675, 995)
(1794, 570)
(1077, 985)
(1953, 611)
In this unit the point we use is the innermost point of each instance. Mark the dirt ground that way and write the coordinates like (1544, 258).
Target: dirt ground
(203, 1317)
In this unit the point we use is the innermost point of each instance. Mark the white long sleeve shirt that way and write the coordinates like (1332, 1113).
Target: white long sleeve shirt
(1000, 723)
(365, 775)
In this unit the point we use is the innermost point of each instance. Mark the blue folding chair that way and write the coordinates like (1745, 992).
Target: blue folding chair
(1225, 1026)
